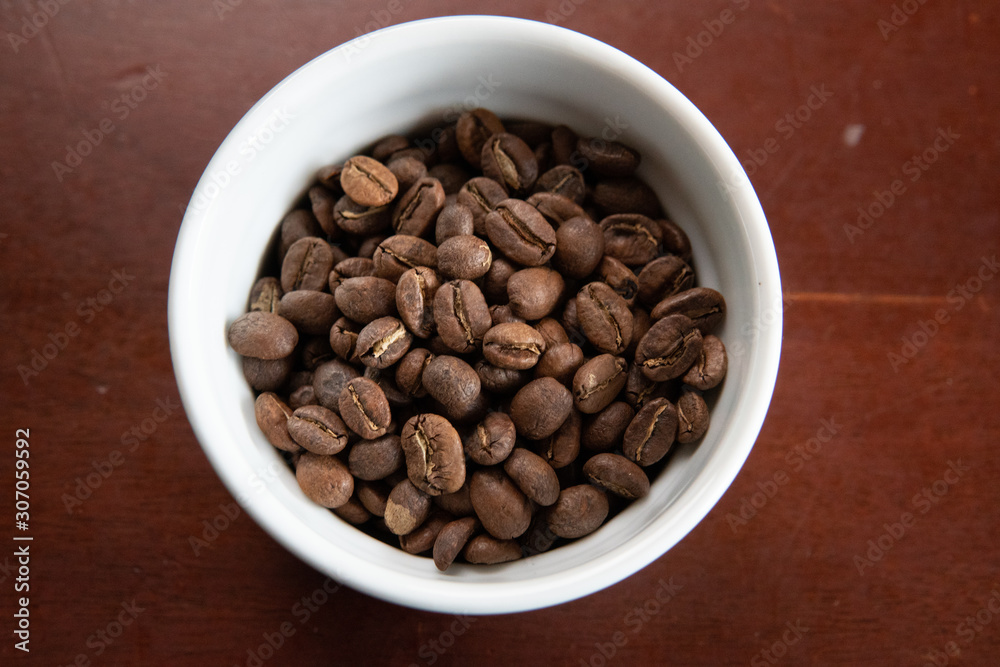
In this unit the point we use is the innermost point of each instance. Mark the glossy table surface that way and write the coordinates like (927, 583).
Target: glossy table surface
(862, 529)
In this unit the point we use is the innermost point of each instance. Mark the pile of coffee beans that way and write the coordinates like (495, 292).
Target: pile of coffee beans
(480, 342)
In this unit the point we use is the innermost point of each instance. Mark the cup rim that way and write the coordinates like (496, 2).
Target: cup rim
(621, 561)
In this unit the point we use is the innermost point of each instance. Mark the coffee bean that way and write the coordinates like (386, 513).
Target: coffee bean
(374, 495)
(367, 181)
(407, 508)
(513, 345)
(298, 224)
(467, 257)
(618, 475)
(360, 220)
(383, 342)
(608, 158)
(452, 381)
(579, 247)
(457, 503)
(272, 416)
(552, 332)
(669, 348)
(324, 479)
(535, 423)
(322, 201)
(388, 145)
(395, 255)
(481, 195)
(692, 416)
(556, 208)
(329, 176)
(710, 367)
(262, 335)
(461, 314)
(410, 370)
(487, 550)
(503, 315)
(563, 446)
(563, 180)
(451, 539)
(703, 305)
(311, 312)
(407, 170)
(639, 389)
(560, 362)
(454, 220)
(534, 292)
(620, 278)
(604, 317)
(675, 240)
(604, 431)
(564, 141)
(355, 267)
(267, 374)
(265, 295)
(626, 195)
(376, 459)
(353, 512)
(329, 380)
(508, 160)
(664, 277)
(597, 383)
(306, 265)
(492, 440)
(533, 476)
(472, 131)
(520, 232)
(318, 430)
(367, 298)
(496, 279)
(415, 299)
(641, 324)
(631, 238)
(504, 511)
(419, 207)
(579, 511)
(651, 433)
(452, 177)
(364, 408)
(423, 537)
(344, 339)
(500, 380)
(435, 461)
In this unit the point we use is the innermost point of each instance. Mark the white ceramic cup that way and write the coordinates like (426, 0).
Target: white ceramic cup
(422, 75)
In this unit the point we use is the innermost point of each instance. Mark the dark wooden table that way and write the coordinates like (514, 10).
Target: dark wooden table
(863, 528)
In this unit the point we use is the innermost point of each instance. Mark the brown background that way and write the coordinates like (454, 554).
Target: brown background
(852, 301)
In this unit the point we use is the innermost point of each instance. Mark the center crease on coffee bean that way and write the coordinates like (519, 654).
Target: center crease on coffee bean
(356, 215)
(320, 425)
(357, 402)
(479, 198)
(414, 202)
(507, 166)
(607, 316)
(584, 393)
(382, 345)
(524, 232)
(653, 423)
(399, 258)
(463, 320)
(616, 226)
(371, 177)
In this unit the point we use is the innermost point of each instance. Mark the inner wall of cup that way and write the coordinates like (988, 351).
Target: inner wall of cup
(376, 93)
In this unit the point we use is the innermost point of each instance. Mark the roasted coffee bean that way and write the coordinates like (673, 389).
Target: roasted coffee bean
(452, 177)
(520, 232)
(472, 131)
(317, 429)
(664, 277)
(534, 292)
(556, 208)
(564, 142)
(360, 220)
(262, 335)
(579, 511)
(367, 181)
(563, 446)
(552, 332)
(492, 440)
(535, 423)
(451, 539)
(503, 509)
(329, 176)
(631, 238)
(620, 278)
(388, 145)
(496, 279)
(452, 381)
(453, 220)
(373, 495)
(267, 374)
(383, 342)
(710, 367)
(509, 161)
(641, 323)
(419, 207)
(314, 352)
(639, 389)
(323, 201)
(703, 305)
(675, 240)
(669, 348)
(397, 397)
(324, 479)
(407, 508)
(364, 408)
(603, 431)
(355, 267)
(560, 362)
(579, 247)
(367, 298)
(410, 370)
(461, 314)
(375, 459)
(467, 257)
(344, 339)
(307, 265)
(265, 295)
(481, 195)
(329, 381)
(503, 315)
(457, 503)
(533, 476)
(366, 250)
(692, 416)
(312, 312)
(415, 299)
(399, 253)
(531, 132)
(435, 461)
(652, 432)
(298, 224)
(513, 345)
(626, 195)
(423, 537)
(500, 380)
(597, 383)
(608, 158)
(272, 416)
(563, 180)
(570, 320)
(487, 550)
(604, 317)
(407, 170)
(353, 512)
(618, 475)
